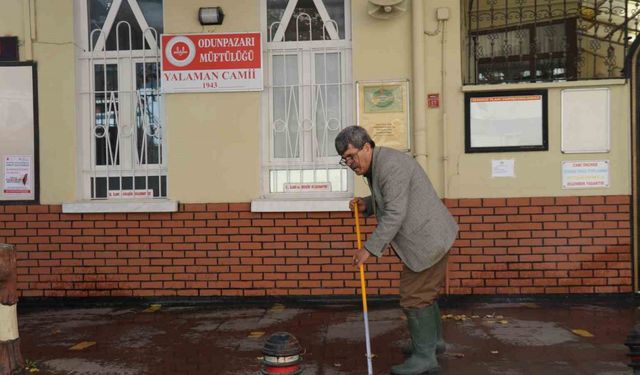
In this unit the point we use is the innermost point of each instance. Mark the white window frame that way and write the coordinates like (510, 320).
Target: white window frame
(126, 60)
(305, 50)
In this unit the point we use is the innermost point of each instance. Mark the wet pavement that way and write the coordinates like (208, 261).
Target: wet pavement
(534, 337)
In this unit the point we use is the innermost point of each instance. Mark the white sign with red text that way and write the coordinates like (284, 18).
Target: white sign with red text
(213, 62)
(138, 193)
(306, 186)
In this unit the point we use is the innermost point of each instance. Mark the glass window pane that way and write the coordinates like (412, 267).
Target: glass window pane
(335, 8)
(148, 130)
(129, 34)
(105, 128)
(285, 106)
(126, 35)
(310, 25)
(551, 38)
(275, 11)
(98, 10)
(508, 43)
(152, 10)
(327, 102)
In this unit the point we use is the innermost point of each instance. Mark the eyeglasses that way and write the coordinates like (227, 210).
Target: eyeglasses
(346, 160)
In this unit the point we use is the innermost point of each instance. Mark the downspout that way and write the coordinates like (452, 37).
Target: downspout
(28, 28)
(419, 116)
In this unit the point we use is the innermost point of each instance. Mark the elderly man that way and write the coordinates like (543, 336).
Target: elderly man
(412, 219)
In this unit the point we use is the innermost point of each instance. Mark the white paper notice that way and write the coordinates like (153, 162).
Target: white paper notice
(502, 168)
(17, 174)
(585, 174)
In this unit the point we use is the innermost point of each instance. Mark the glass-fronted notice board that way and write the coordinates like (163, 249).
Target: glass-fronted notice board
(19, 180)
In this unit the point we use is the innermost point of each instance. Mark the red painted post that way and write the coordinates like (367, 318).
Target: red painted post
(11, 361)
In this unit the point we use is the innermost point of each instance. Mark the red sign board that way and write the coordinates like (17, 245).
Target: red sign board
(433, 100)
(211, 62)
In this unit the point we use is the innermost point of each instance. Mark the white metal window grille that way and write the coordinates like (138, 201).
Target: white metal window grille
(120, 124)
(309, 92)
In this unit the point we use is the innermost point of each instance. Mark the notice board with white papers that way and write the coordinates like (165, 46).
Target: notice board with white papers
(19, 181)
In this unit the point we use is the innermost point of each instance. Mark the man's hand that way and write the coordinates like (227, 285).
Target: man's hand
(362, 206)
(360, 257)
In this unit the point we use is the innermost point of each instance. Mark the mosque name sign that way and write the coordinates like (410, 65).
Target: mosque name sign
(212, 62)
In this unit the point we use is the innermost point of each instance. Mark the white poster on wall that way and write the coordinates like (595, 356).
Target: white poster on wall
(17, 175)
(585, 174)
(586, 120)
(503, 168)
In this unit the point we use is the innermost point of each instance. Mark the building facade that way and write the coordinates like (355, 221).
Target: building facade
(522, 113)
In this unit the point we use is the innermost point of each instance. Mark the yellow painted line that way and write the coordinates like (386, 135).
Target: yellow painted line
(256, 334)
(82, 345)
(153, 308)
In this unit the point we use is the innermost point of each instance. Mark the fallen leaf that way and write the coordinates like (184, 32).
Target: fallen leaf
(582, 332)
(337, 364)
(277, 307)
(475, 316)
(153, 308)
(256, 334)
(503, 321)
(494, 352)
(30, 366)
(82, 345)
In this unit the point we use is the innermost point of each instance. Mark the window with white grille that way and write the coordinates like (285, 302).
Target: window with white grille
(308, 97)
(120, 106)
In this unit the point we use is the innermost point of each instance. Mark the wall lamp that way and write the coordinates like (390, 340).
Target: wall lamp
(210, 16)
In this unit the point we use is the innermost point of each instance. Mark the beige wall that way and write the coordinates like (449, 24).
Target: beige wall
(49, 42)
(12, 20)
(381, 50)
(54, 51)
(539, 173)
(459, 175)
(214, 140)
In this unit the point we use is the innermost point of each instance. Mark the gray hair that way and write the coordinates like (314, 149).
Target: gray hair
(353, 135)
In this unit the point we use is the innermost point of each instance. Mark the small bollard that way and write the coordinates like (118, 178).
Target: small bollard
(633, 342)
(11, 361)
(281, 355)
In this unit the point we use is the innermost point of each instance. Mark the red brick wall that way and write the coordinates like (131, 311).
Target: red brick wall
(505, 246)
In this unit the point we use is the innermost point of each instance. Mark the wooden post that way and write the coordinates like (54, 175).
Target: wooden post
(11, 361)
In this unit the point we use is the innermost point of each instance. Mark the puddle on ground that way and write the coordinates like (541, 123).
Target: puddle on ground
(79, 366)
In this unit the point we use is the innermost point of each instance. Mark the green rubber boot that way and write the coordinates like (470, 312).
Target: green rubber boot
(441, 346)
(422, 327)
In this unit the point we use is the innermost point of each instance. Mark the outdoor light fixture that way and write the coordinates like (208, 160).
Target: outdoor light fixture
(210, 16)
